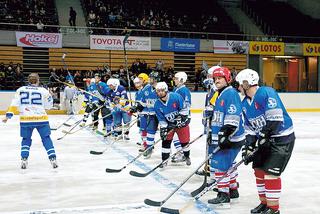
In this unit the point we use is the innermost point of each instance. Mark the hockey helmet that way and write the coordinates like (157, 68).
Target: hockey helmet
(144, 77)
(249, 75)
(113, 82)
(155, 75)
(162, 86)
(222, 72)
(33, 78)
(181, 76)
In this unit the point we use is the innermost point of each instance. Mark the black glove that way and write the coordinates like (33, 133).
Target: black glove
(181, 120)
(133, 109)
(246, 153)
(163, 133)
(223, 136)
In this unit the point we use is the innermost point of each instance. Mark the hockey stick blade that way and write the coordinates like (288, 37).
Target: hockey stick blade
(113, 170)
(200, 189)
(66, 124)
(53, 129)
(138, 174)
(169, 210)
(153, 203)
(96, 153)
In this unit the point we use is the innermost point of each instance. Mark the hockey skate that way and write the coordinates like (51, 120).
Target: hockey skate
(259, 209)
(147, 154)
(234, 195)
(24, 163)
(222, 200)
(188, 161)
(126, 137)
(163, 165)
(178, 157)
(270, 211)
(53, 162)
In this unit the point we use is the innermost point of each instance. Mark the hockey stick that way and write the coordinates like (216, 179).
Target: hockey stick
(62, 124)
(103, 151)
(197, 197)
(160, 203)
(70, 132)
(138, 174)
(65, 133)
(134, 159)
(126, 61)
(204, 184)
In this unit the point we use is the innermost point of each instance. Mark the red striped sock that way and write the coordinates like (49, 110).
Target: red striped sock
(273, 191)
(260, 185)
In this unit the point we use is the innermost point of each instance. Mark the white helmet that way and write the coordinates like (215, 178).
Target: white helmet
(210, 70)
(162, 86)
(181, 76)
(113, 81)
(248, 75)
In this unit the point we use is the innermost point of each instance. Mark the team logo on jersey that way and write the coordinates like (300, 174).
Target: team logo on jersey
(272, 103)
(174, 105)
(146, 93)
(222, 103)
(256, 105)
(232, 109)
(118, 93)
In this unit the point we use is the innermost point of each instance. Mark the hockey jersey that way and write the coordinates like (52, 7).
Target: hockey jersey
(118, 98)
(167, 111)
(31, 101)
(149, 97)
(228, 111)
(94, 95)
(266, 106)
(186, 96)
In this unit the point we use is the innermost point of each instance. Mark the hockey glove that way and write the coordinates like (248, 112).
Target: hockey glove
(247, 150)
(133, 109)
(163, 133)
(181, 121)
(223, 136)
(208, 111)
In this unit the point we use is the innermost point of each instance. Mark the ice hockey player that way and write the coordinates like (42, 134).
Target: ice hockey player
(211, 97)
(118, 100)
(149, 98)
(69, 93)
(139, 107)
(173, 115)
(227, 133)
(98, 93)
(270, 130)
(179, 80)
(31, 101)
(90, 103)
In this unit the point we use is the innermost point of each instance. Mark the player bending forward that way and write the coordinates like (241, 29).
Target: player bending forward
(31, 101)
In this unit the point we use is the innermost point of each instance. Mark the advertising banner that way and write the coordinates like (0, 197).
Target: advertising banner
(266, 48)
(311, 49)
(230, 47)
(180, 45)
(40, 40)
(116, 43)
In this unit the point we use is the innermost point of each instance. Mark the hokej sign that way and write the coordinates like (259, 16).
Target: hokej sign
(180, 45)
(40, 40)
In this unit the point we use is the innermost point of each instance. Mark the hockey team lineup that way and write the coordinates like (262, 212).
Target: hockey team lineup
(167, 134)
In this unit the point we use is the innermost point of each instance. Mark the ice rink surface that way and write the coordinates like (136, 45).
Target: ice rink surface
(81, 185)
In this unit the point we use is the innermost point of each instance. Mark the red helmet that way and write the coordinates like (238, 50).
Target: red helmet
(222, 72)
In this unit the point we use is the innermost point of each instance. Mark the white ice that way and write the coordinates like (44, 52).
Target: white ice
(81, 185)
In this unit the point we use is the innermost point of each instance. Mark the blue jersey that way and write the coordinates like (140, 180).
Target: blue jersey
(167, 111)
(186, 96)
(118, 97)
(266, 106)
(138, 98)
(228, 111)
(94, 89)
(149, 98)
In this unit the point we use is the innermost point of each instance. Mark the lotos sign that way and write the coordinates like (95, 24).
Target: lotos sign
(266, 48)
(311, 49)
(116, 43)
(40, 40)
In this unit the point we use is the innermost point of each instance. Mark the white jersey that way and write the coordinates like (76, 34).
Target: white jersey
(31, 102)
